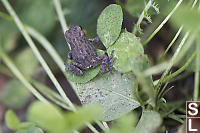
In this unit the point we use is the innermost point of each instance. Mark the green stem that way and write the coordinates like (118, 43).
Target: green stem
(181, 69)
(101, 126)
(142, 16)
(157, 69)
(60, 15)
(173, 116)
(46, 91)
(163, 23)
(194, 3)
(170, 45)
(171, 63)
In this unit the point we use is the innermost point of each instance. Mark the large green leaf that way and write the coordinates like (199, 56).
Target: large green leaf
(14, 95)
(109, 24)
(114, 91)
(11, 120)
(149, 122)
(126, 48)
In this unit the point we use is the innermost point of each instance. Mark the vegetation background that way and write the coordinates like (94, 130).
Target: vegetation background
(168, 31)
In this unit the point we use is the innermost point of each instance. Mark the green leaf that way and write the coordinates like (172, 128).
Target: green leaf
(85, 114)
(47, 117)
(88, 74)
(26, 125)
(175, 117)
(114, 91)
(31, 130)
(149, 122)
(11, 120)
(14, 94)
(125, 124)
(109, 24)
(26, 62)
(126, 48)
(188, 17)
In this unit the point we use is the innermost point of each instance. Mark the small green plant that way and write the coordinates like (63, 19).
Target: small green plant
(111, 96)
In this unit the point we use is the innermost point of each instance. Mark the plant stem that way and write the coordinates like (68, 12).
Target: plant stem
(142, 16)
(163, 23)
(102, 126)
(195, 2)
(60, 15)
(46, 91)
(105, 125)
(174, 117)
(94, 130)
(172, 61)
(36, 52)
(48, 46)
(157, 69)
(172, 42)
(181, 69)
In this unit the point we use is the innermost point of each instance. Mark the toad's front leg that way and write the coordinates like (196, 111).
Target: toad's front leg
(104, 60)
(75, 68)
(95, 40)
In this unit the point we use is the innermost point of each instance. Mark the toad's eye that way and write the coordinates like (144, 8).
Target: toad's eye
(80, 27)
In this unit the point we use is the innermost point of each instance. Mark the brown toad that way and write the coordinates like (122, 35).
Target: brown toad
(83, 54)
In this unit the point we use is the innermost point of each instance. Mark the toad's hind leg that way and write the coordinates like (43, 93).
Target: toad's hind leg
(104, 61)
(74, 68)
